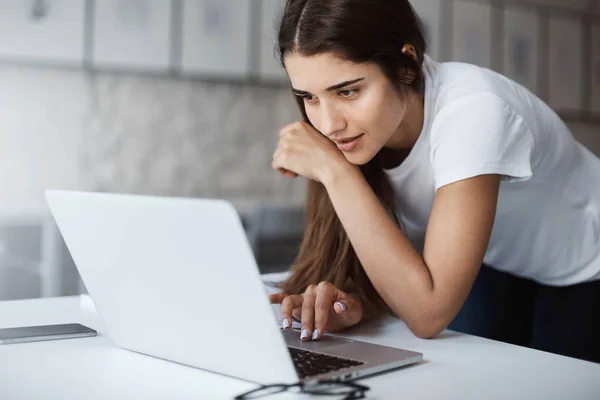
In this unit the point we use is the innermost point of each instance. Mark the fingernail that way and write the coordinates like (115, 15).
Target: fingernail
(342, 305)
(304, 334)
(315, 335)
(285, 324)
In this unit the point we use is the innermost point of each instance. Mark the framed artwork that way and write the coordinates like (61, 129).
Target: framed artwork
(269, 68)
(565, 64)
(216, 38)
(471, 33)
(48, 31)
(430, 13)
(595, 70)
(132, 34)
(521, 48)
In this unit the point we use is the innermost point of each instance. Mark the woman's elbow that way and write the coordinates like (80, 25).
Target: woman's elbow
(428, 322)
(427, 329)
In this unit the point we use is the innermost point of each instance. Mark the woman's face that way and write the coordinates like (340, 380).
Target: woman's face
(354, 105)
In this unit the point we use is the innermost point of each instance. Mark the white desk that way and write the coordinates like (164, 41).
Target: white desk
(456, 366)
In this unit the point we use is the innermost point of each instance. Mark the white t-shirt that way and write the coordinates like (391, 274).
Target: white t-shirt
(547, 225)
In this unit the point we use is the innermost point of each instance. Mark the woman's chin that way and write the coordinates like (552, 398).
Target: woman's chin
(358, 158)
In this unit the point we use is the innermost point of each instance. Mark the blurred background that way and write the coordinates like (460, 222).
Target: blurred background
(185, 98)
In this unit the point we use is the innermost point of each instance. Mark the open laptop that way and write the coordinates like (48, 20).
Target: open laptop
(176, 279)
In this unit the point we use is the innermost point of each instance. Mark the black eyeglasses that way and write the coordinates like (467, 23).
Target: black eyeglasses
(350, 390)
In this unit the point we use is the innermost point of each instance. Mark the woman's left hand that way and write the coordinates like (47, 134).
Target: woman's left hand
(302, 150)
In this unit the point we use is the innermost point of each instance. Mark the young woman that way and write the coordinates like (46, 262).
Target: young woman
(444, 192)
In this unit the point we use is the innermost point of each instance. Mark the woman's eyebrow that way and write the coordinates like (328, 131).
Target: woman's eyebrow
(343, 84)
(337, 86)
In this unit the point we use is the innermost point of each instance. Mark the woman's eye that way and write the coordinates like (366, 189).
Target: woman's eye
(348, 93)
(308, 98)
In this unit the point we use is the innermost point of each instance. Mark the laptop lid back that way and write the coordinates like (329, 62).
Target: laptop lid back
(176, 279)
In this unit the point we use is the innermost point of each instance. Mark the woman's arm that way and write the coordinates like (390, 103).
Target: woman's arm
(426, 292)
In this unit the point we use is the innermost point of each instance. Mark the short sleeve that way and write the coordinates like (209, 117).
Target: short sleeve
(480, 134)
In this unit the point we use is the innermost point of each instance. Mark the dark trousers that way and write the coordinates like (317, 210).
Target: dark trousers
(561, 320)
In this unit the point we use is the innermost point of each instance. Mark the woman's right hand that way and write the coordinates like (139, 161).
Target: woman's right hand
(320, 308)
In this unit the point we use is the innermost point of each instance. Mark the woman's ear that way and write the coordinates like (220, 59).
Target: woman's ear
(409, 49)
(408, 74)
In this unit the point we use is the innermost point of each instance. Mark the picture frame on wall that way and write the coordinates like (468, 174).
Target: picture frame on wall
(565, 64)
(430, 13)
(132, 34)
(521, 47)
(472, 33)
(269, 68)
(43, 31)
(215, 39)
(595, 71)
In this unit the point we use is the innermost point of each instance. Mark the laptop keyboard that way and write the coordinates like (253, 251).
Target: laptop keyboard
(309, 364)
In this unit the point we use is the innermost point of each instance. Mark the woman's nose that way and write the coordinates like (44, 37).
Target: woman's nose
(332, 122)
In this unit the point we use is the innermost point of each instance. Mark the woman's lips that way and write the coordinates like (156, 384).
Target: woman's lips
(347, 145)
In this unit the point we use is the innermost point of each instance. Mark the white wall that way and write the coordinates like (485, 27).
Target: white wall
(41, 121)
(142, 134)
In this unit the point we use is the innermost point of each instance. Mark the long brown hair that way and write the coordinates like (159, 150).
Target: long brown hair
(360, 31)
